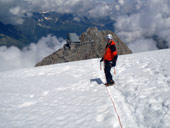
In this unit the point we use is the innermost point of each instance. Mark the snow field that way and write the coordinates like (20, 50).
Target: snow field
(72, 95)
(54, 96)
(145, 86)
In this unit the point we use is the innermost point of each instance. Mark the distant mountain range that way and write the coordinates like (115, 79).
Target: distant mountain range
(41, 24)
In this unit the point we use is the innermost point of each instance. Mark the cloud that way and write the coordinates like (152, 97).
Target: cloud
(12, 10)
(142, 45)
(100, 11)
(135, 19)
(14, 58)
(148, 19)
(17, 9)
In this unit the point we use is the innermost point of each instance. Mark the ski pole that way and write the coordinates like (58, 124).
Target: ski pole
(100, 66)
(114, 70)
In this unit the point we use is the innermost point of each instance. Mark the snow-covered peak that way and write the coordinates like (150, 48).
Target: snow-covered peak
(72, 95)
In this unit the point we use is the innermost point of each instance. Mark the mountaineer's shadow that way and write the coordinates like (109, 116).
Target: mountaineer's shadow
(97, 80)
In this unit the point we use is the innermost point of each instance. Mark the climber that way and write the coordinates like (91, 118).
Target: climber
(110, 57)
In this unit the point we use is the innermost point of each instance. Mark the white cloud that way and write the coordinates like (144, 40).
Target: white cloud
(142, 45)
(152, 17)
(14, 58)
(100, 11)
(121, 2)
(135, 19)
(10, 12)
(15, 10)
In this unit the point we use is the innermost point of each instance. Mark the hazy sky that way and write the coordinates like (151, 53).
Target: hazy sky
(136, 22)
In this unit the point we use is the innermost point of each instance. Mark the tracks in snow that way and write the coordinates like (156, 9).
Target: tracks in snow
(124, 112)
(123, 109)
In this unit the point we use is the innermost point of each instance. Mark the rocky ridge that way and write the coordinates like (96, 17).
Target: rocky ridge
(92, 45)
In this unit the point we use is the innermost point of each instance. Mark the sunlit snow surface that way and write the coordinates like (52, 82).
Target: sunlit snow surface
(72, 95)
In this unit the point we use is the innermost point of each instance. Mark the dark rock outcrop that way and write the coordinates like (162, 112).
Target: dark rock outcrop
(92, 45)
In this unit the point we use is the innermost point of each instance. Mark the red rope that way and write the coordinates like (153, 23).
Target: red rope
(114, 108)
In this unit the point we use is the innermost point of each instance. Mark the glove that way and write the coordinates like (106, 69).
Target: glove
(113, 63)
(101, 59)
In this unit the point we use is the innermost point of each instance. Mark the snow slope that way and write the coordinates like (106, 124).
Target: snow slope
(72, 95)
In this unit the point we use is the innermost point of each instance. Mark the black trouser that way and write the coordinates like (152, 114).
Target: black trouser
(107, 68)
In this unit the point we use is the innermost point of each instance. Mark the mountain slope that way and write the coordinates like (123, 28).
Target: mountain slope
(10, 35)
(72, 95)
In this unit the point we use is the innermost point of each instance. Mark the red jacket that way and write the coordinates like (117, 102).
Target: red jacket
(110, 51)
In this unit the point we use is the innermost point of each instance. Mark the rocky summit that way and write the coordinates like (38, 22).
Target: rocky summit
(92, 45)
